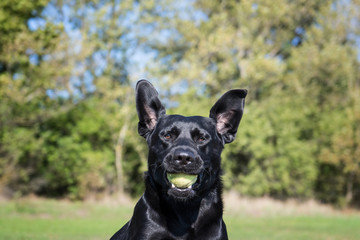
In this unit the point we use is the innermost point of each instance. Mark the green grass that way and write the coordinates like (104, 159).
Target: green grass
(50, 219)
(293, 228)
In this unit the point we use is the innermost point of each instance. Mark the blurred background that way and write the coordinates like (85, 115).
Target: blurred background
(68, 124)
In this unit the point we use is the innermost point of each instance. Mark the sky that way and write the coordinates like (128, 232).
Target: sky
(139, 56)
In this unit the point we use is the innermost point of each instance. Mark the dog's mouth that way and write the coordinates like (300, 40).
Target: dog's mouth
(182, 180)
(184, 186)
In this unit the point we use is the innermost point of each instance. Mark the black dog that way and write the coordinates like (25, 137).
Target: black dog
(182, 199)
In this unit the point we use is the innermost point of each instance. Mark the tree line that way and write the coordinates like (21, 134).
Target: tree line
(68, 125)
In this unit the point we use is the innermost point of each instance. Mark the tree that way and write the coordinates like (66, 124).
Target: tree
(298, 61)
(67, 73)
(64, 97)
(23, 84)
(331, 83)
(96, 49)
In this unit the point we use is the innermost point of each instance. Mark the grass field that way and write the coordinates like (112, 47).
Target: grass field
(41, 219)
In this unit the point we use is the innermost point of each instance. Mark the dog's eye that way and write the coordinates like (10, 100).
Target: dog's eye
(201, 139)
(167, 136)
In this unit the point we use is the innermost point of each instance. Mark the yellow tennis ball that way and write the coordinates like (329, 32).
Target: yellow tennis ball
(182, 180)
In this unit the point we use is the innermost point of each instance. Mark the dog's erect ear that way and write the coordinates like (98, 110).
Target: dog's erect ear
(227, 113)
(149, 107)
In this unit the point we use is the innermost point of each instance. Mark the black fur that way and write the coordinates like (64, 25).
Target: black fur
(179, 144)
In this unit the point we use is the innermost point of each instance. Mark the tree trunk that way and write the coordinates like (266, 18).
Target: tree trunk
(119, 152)
(350, 188)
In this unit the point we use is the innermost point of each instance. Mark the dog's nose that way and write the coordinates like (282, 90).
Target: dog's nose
(183, 157)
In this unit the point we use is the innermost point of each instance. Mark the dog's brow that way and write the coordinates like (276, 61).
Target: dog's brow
(172, 129)
(199, 131)
(175, 129)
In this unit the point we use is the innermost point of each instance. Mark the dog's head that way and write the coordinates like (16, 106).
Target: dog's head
(184, 152)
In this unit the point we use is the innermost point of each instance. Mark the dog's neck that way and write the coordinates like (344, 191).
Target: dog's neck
(182, 215)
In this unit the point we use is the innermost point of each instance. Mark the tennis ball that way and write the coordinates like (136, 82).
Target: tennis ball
(182, 180)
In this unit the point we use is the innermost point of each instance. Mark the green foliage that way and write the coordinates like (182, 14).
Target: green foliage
(272, 156)
(62, 108)
(23, 99)
(78, 152)
(14, 16)
(68, 119)
(299, 61)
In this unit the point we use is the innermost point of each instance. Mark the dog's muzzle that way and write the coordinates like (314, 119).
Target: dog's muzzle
(184, 160)
(183, 168)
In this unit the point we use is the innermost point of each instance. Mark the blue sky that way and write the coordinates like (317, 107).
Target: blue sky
(138, 55)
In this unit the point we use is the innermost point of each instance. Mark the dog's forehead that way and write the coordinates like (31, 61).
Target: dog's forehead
(189, 122)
